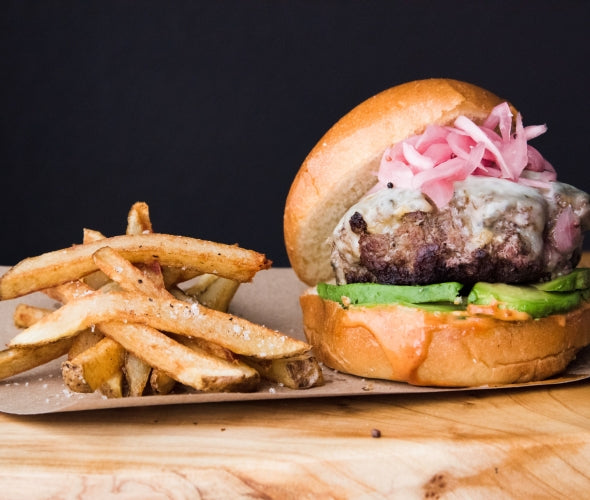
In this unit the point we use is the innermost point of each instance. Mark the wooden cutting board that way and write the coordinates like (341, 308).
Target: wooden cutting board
(517, 443)
(522, 443)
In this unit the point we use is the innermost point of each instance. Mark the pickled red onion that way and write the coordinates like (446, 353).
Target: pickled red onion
(435, 159)
(566, 230)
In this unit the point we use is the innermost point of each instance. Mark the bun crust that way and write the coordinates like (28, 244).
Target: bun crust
(411, 345)
(340, 168)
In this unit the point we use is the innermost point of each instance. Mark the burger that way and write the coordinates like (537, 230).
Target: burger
(437, 244)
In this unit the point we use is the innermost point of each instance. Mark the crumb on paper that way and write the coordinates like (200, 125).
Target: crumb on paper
(367, 386)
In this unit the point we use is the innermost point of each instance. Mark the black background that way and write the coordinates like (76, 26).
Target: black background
(205, 110)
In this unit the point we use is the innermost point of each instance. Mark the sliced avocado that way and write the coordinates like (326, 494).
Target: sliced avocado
(537, 303)
(374, 293)
(578, 279)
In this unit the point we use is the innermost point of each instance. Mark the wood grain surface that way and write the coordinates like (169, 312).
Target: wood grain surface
(516, 443)
(521, 443)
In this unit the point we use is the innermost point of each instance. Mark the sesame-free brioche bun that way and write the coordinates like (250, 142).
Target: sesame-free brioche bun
(340, 169)
(407, 344)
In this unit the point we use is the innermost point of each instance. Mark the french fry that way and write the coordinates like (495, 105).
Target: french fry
(68, 291)
(213, 291)
(18, 360)
(97, 279)
(84, 340)
(57, 267)
(139, 222)
(94, 366)
(153, 272)
(175, 275)
(199, 344)
(90, 235)
(73, 377)
(161, 383)
(177, 293)
(25, 315)
(138, 219)
(14, 361)
(113, 386)
(297, 372)
(171, 315)
(137, 372)
(128, 276)
(73, 290)
(111, 286)
(199, 284)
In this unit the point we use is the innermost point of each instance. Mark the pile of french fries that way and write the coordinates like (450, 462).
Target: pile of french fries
(145, 313)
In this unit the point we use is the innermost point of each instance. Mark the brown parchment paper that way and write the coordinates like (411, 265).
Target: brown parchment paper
(272, 299)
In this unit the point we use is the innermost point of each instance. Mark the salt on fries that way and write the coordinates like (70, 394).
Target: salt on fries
(25, 315)
(126, 324)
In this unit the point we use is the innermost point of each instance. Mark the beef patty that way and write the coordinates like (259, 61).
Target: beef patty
(492, 230)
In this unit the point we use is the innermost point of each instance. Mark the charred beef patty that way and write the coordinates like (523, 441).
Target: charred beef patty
(492, 230)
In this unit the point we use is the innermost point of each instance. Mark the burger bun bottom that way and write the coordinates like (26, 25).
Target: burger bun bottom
(406, 344)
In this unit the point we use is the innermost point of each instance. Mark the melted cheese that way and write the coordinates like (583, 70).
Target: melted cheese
(479, 203)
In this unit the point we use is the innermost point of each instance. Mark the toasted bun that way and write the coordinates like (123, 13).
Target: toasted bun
(340, 169)
(407, 344)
